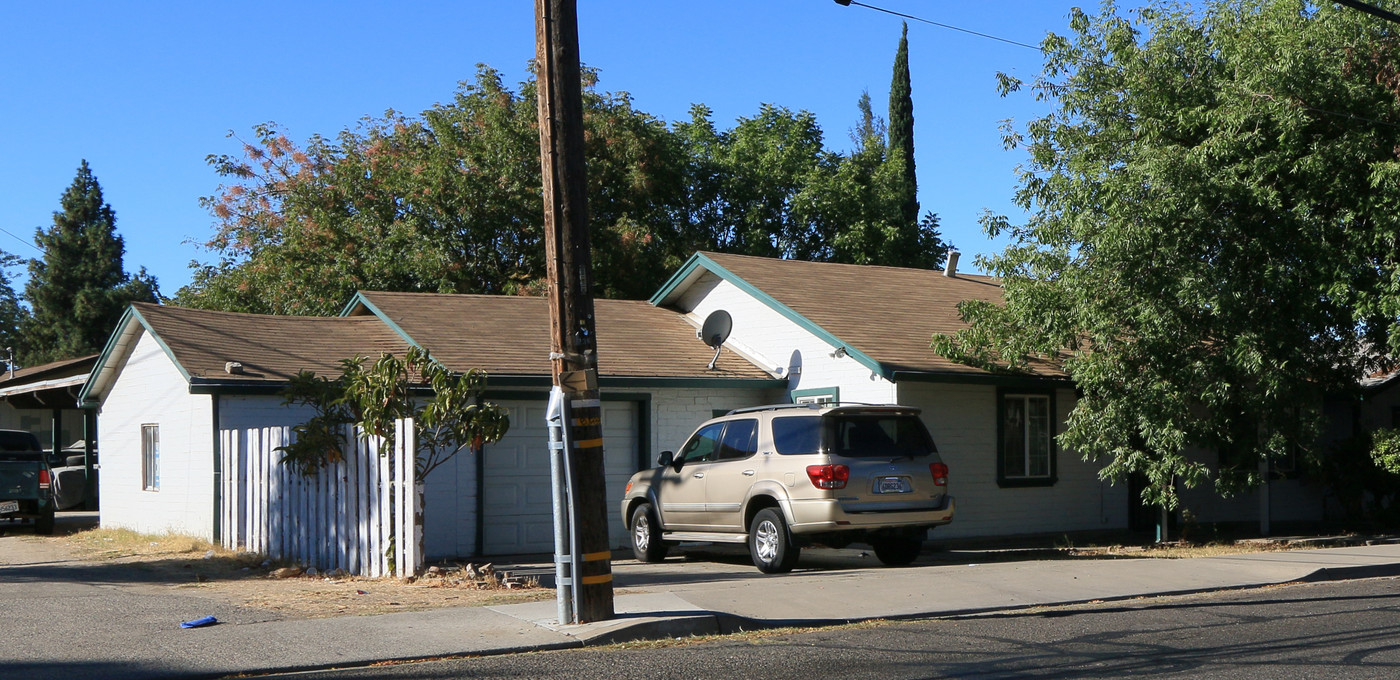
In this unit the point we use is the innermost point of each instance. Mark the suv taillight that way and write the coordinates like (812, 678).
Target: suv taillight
(828, 476)
(940, 473)
(43, 479)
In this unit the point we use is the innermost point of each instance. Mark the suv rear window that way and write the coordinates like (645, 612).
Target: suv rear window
(798, 434)
(878, 436)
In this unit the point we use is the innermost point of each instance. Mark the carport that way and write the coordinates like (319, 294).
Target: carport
(54, 387)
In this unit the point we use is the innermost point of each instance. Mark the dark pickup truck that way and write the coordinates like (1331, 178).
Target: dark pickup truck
(26, 481)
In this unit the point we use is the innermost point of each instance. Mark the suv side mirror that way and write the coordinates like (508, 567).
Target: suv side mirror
(665, 459)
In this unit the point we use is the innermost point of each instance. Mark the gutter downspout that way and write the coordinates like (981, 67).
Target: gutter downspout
(218, 471)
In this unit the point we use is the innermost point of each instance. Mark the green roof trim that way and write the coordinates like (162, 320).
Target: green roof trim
(998, 379)
(700, 260)
(85, 396)
(539, 382)
(361, 300)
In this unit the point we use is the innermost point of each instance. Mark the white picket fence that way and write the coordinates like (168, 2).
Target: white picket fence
(356, 515)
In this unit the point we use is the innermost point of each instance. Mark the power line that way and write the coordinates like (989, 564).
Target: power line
(25, 241)
(1355, 4)
(848, 3)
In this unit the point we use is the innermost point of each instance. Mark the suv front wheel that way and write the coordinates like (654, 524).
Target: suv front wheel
(647, 545)
(770, 544)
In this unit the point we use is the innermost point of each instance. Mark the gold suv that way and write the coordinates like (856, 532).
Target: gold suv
(788, 476)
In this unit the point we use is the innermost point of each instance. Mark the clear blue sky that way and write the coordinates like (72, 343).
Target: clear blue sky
(145, 90)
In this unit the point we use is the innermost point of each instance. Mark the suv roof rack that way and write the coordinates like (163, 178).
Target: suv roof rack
(814, 405)
(773, 407)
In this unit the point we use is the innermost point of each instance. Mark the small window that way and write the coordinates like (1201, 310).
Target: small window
(1027, 447)
(150, 457)
(740, 440)
(820, 395)
(702, 447)
(797, 434)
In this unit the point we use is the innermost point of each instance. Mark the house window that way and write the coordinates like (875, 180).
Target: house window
(1026, 434)
(820, 395)
(150, 457)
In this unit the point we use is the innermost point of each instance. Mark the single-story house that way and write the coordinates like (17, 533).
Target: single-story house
(174, 382)
(186, 380)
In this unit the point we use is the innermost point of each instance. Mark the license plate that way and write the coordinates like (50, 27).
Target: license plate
(892, 485)
(8, 507)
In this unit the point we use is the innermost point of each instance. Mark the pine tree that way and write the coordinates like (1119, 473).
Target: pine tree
(901, 131)
(79, 290)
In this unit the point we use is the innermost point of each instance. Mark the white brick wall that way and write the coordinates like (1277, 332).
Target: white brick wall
(774, 341)
(150, 390)
(679, 410)
(962, 419)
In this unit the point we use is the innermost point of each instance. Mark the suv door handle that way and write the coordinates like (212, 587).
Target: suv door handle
(699, 475)
(748, 473)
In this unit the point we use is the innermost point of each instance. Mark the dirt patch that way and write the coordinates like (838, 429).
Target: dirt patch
(195, 567)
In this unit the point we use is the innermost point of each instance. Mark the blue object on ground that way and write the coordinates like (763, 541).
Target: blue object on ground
(206, 621)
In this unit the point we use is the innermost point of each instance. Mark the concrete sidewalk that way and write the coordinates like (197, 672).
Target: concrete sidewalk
(672, 599)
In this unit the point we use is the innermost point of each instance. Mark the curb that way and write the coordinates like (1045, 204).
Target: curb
(720, 623)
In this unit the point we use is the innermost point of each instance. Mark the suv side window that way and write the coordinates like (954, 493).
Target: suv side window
(740, 440)
(797, 434)
(702, 447)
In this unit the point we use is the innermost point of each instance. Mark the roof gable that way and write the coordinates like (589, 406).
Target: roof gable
(885, 317)
(270, 349)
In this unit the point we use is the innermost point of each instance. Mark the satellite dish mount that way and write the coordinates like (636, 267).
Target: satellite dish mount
(715, 331)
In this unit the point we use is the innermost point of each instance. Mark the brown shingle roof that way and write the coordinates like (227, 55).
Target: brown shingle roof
(889, 313)
(509, 335)
(50, 371)
(271, 348)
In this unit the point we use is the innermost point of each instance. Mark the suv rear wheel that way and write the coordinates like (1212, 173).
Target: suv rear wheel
(898, 551)
(647, 545)
(770, 544)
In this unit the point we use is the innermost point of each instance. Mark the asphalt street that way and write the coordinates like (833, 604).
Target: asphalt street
(1338, 630)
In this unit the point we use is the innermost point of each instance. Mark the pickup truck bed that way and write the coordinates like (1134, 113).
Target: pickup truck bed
(26, 489)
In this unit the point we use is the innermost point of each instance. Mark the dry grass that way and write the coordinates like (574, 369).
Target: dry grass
(199, 568)
(1187, 550)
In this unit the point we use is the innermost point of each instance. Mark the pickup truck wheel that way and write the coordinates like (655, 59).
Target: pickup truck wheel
(770, 544)
(44, 523)
(647, 545)
(897, 552)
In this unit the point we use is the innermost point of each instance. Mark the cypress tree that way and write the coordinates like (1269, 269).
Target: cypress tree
(901, 131)
(78, 291)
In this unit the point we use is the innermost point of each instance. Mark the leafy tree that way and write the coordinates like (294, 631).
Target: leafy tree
(449, 202)
(446, 408)
(902, 133)
(79, 290)
(1212, 243)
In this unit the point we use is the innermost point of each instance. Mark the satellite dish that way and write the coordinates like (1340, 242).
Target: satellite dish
(715, 331)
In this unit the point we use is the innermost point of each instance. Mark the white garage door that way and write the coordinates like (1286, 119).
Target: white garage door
(518, 516)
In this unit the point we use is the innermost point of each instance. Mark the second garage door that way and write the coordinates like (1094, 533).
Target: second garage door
(518, 518)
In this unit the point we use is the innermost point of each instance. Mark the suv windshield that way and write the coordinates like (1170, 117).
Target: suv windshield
(878, 436)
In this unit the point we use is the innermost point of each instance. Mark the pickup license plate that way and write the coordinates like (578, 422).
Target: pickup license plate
(892, 485)
(7, 507)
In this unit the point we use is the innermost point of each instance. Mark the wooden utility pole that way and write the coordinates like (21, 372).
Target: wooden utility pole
(573, 346)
